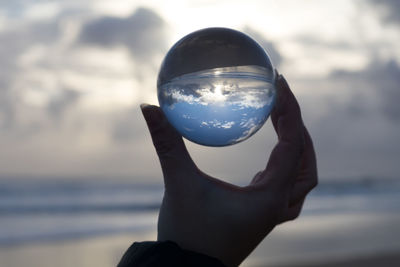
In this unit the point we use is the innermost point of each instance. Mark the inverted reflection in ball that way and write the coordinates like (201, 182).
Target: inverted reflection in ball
(216, 86)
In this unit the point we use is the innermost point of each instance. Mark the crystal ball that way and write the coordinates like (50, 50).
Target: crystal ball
(216, 86)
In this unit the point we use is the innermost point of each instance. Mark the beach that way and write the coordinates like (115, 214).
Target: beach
(367, 239)
(95, 251)
(280, 249)
(92, 223)
(106, 251)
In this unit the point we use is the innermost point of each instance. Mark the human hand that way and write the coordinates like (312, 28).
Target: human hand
(209, 216)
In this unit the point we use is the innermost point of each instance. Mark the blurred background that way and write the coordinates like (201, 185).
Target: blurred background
(80, 180)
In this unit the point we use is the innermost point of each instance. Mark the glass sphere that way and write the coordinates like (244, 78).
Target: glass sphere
(216, 86)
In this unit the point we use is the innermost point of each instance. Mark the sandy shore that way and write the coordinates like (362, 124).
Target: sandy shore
(385, 260)
(106, 252)
(100, 252)
(325, 241)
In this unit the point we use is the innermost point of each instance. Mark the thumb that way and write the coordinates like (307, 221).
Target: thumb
(174, 158)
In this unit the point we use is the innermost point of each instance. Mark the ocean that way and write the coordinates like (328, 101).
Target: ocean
(37, 210)
(42, 210)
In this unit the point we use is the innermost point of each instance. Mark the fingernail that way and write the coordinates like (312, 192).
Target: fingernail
(143, 105)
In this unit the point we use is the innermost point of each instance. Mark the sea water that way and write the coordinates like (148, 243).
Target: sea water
(35, 210)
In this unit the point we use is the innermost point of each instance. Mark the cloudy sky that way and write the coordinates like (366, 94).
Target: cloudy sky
(73, 73)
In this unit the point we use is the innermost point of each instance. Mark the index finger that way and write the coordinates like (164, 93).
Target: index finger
(307, 177)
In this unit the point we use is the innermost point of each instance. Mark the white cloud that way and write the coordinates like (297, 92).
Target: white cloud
(221, 87)
(79, 98)
(228, 125)
(80, 101)
(251, 127)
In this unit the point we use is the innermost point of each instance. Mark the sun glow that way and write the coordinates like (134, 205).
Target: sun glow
(217, 95)
(213, 95)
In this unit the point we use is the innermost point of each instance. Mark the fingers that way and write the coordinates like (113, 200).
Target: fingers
(286, 106)
(292, 166)
(306, 180)
(284, 161)
(307, 177)
(257, 178)
(292, 212)
(173, 155)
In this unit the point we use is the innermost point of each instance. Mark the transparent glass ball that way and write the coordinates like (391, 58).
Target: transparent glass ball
(216, 86)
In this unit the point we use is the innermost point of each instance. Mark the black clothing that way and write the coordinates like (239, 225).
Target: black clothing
(166, 253)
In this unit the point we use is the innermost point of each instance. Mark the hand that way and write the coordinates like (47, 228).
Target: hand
(209, 216)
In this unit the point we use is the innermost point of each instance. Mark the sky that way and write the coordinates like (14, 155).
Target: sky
(73, 74)
(218, 106)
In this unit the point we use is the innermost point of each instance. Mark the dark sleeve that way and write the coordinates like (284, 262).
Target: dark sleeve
(166, 253)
